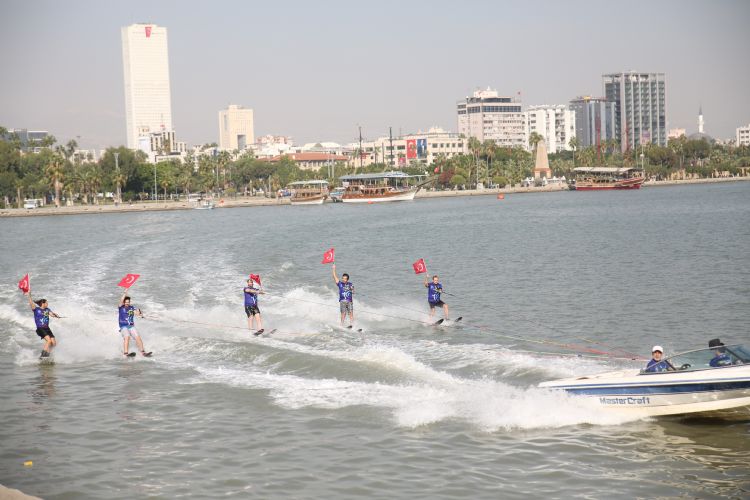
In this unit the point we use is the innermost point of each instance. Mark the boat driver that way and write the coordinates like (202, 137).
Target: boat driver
(721, 358)
(657, 364)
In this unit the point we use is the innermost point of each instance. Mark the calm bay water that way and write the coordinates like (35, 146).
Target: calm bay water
(401, 409)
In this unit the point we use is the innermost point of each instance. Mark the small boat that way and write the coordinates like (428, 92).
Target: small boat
(308, 192)
(204, 205)
(691, 386)
(337, 194)
(370, 188)
(602, 178)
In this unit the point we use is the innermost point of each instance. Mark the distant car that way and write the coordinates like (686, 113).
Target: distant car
(30, 204)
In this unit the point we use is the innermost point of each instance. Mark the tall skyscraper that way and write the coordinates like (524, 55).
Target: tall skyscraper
(595, 120)
(640, 107)
(145, 63)
(235, 128)
(486, 115)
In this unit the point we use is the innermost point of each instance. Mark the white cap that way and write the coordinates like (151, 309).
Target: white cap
(657, 348)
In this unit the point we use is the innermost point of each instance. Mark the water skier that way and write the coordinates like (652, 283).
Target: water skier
(251, 306)
(126, 319)
(346, 289)
(42, 312)
(434, 289)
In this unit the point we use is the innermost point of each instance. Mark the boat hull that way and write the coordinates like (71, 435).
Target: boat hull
(397, 196)
(707, 392)
(603, 186)
(318, 200)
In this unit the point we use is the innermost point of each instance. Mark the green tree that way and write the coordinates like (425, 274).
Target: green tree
(55, 172)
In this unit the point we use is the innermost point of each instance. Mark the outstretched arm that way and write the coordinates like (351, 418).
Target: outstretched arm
(31, 301)
(333, 271)
(122, 298)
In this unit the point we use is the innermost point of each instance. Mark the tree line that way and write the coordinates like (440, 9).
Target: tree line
(56, 172)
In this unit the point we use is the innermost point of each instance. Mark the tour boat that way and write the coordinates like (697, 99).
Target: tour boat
(691, 386)
(308, 192)
(599, 178)
(385, 186)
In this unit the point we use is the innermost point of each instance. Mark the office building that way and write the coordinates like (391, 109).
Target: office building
(743, 135)
(487, 115)
(145, 62)
(556, 124)
(594, 120)
(236, 128)
(640, 107)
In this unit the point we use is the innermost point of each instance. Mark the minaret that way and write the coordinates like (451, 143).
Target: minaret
(700, 119)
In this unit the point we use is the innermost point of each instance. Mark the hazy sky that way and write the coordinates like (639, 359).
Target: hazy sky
(315, 69)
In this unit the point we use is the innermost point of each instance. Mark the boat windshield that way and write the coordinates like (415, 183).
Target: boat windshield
(706, 359)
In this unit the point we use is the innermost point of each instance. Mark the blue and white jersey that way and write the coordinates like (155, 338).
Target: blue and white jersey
(657, 366)
(126, 315)
(41, 316)
(251, 296)
(345, 291)
(433, 292)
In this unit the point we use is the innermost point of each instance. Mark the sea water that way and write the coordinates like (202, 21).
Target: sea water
(544, 282)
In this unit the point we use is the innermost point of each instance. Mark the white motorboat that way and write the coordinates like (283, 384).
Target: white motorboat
(704, 382)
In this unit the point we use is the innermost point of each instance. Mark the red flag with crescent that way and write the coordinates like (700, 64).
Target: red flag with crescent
(24, 284)
(419, 267)
(328, 257)
(255, 278)
(128, 280)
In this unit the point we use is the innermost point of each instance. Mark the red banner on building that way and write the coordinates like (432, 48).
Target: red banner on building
(148, 31)
(411, 149)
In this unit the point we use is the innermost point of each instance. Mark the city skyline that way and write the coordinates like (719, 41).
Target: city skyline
(318, 72)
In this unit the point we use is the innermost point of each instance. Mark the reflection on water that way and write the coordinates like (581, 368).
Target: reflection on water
(43, 386)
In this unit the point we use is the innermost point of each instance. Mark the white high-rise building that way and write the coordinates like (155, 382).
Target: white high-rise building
(145, 63)
(556, 124)
(236, 128)
(486, 115)
(743, 135)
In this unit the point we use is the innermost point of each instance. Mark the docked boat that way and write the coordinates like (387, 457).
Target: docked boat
(385, 186)
(308, 192)
(694, 384)
(601, 178)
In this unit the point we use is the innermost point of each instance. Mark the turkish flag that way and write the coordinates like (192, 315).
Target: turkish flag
(328, 257)
(255, 278)
(411, 148)
(24, 284)
(148, 31)
(128, 280)
(419, 267)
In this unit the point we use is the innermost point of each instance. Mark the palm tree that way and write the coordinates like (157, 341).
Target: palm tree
(490, 149)
(55, 171)
(534, 139)
(573, 144)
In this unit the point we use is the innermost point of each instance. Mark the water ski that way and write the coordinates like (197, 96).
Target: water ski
(438, 322)
(351, 327)
(129, 354)
(146, 354)
(262, 331)
(458, 319)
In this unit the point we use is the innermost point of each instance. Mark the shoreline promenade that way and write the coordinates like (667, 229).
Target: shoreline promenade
(241, 201)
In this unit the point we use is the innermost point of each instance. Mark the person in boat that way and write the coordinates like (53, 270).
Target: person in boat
(346, 291)
(657, 364)
(721, 358)
(251, 306)
(42, 312)
(126, 318)
(434, 290)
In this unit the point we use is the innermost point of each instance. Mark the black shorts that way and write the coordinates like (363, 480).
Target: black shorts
(252, 310)
(439, 303)
(44, 331)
